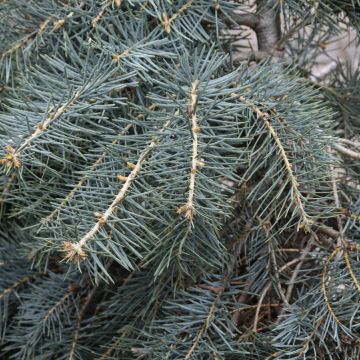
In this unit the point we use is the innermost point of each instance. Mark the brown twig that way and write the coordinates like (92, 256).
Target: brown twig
(265, 22)
(78, 323)
(245, 19)
(241, 300)
(349, 142)
(268, 29)
(17, 284)
(257, 56)
(284, 298)
(258, 307)
(328, 231)
(294, 275)
(341, 238)
(347, 152)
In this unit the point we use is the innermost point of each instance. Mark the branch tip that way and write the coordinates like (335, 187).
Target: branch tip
(10, 160)
(73, 252)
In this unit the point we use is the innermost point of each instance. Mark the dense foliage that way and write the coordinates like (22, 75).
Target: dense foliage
(163, 195)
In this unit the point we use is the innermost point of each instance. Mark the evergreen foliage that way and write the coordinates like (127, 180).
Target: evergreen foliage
(164, 198)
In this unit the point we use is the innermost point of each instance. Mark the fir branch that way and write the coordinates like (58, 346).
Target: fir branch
(14, 160)
(60, 303)
(324, 283)
(18, 283)
(115, 343)
(117, 57)
(7, 187)
(101, 13)
(42, 316)
(58, 24)
(350, 269)
(80, 183)
(72, 354)
(306, 222)
(270, 137)
(74, 251)
(189, 208)
(341, 243)
(23, 41)
(166, 22)
(9, 182)
(53, 116)
(203, 328)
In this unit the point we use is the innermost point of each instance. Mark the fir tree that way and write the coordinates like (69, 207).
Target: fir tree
(166, 195)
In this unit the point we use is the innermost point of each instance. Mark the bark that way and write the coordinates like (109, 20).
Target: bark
(265, 22)
(268, 29)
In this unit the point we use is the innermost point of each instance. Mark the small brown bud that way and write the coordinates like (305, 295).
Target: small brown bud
(59, 24)
(115, 58)
(122, 178)
(130, 165)
(100, 218)
(181, 209)
(165, 22)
